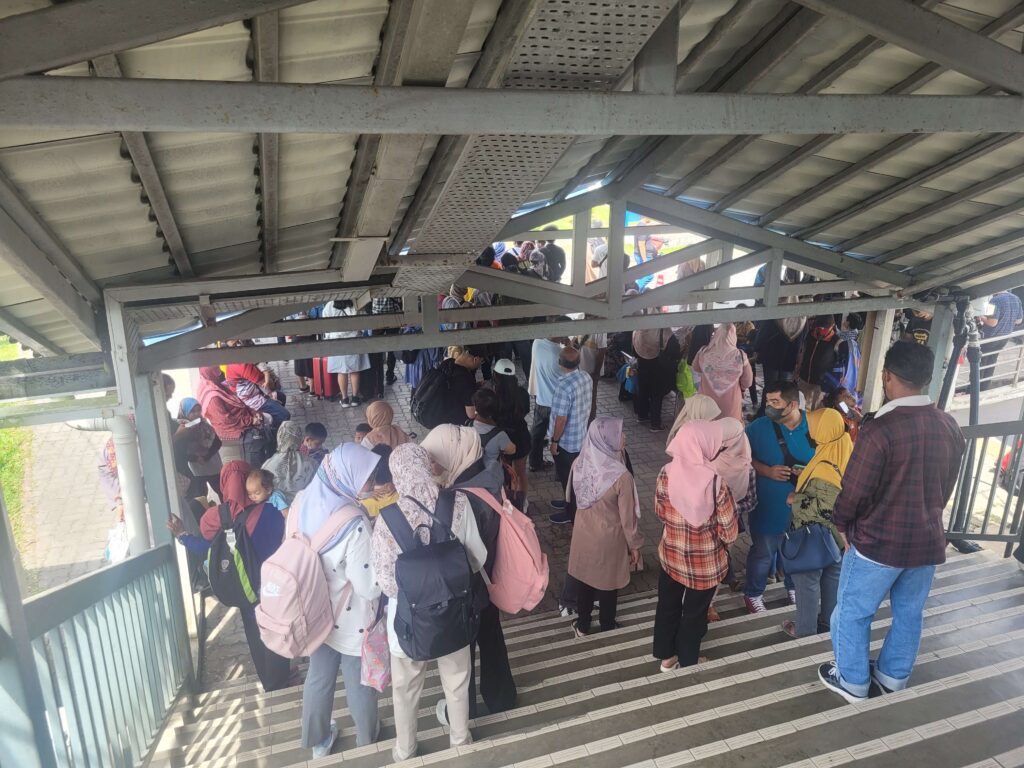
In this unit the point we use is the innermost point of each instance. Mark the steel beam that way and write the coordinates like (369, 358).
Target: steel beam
(72, 32)
(191, 290)
(265, 66)
(677, 291)
(755, 238)
(673, 259)
(32, 265)
(951, 163)
(239, 326)
(1004, 283)
(942, 204)
(28, 337)
(103, 104)
(951, 232)
(514, 16)
(972, 271)
(541, 216)
(149, 177)
(931, 36)
(45, 376)
(32, 224)
(532, 289)
(880, 155)
(268, 352)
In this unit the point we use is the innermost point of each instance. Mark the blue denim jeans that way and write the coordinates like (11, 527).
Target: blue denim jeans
(278, 412)
(759, 563)
(815, 599)
(863, 585)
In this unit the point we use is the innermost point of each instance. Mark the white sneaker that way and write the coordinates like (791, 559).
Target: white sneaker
(323, 750)
(792, 596)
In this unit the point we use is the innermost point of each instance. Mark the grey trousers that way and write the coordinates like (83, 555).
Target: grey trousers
(816, 591)
(318, 698)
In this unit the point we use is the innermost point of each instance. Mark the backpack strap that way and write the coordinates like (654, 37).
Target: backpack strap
(224, 511)
(485, 496)
(485, 439)
(338, 521)
(787, 457)
(395, 520)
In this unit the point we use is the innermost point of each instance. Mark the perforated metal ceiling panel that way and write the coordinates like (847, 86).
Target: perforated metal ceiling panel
(568, 45)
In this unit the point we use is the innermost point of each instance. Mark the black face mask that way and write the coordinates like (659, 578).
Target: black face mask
(569, 366)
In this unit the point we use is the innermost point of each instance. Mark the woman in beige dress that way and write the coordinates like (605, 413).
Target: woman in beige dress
(606, 539)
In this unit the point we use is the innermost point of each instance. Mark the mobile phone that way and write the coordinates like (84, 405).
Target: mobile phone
(845, 409)
(194, 422)
(798, 468)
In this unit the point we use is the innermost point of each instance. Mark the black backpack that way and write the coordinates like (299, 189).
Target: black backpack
(438, 607)
(257, 446)
(232, 565)
(430, 402)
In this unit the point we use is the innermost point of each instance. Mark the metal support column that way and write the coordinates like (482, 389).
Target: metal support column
(580, 231)
(877, 347)
(153, 426)
(129, 476)
(25, 735)
(616, 238)
(941, 342)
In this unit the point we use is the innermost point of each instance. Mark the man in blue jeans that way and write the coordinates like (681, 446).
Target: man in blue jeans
(779, 447)
(902, 473)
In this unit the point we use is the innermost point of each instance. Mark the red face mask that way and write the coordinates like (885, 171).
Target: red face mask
(824, 334)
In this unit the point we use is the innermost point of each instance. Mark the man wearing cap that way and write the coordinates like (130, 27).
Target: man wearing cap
(898, 480)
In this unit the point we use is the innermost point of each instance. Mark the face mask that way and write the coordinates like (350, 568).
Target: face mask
(775, 414)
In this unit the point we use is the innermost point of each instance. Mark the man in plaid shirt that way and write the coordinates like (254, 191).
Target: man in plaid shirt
(570, 414)
(899, 479)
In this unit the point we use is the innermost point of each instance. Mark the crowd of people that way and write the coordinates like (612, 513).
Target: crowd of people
(845, 508)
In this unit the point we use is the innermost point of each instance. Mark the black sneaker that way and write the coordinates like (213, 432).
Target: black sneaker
(557, 504)
(877, 689)
(560, 518)
(346, 402)
(544, 465)
(829, 676)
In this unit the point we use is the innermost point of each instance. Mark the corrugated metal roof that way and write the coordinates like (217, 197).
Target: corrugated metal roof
(83, 186)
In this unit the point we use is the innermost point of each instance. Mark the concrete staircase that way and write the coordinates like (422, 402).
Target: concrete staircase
(600, 702)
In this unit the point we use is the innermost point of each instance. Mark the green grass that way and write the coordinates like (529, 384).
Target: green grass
(14, 447)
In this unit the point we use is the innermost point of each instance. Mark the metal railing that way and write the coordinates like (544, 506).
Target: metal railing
(1002, 363)
(987, 503)
(111, 650)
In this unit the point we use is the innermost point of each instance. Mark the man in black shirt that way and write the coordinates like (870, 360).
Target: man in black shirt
(460, 374)
(554, 257)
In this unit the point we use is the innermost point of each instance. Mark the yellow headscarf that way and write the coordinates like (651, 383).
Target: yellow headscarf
(828, 430)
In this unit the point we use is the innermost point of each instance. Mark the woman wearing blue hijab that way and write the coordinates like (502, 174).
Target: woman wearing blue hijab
(344, 476)
(197, 449)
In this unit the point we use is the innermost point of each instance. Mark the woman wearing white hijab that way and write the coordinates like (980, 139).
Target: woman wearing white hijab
(292, 469)
(696, 408)
(345, 474)
(606, 538)
(410, 468)
(456, 459)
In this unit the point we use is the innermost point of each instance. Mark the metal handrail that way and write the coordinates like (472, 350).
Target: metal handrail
(111, 652)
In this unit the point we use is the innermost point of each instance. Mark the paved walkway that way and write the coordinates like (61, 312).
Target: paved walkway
(65, 512)
(227, 655)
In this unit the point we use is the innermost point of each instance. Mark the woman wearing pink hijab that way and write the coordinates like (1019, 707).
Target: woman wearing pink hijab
(724, 370)
(696, 506)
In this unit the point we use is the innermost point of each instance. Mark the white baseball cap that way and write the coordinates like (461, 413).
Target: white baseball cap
(505, 367)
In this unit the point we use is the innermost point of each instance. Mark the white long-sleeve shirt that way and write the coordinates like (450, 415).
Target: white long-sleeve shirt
(346, 562)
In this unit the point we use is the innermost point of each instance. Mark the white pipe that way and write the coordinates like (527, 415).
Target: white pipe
(129, 475)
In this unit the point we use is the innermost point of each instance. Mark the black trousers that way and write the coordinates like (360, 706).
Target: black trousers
(680, 620)
(497, 686)
(651, 388)
(524, 351)
(988, 363)
(538, 435)
(563, 463)
(377, 363)
(608, 600)
(272, 670)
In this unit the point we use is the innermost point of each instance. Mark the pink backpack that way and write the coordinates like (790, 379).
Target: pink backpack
(295, 613)
(520, 575)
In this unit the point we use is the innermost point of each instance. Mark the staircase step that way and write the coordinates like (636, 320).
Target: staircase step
(961, 567)
(943, 743)
(545, 701)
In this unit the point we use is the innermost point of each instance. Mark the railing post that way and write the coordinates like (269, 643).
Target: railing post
(25, 736)
(877, 347)
(941, 342)
(152, 423)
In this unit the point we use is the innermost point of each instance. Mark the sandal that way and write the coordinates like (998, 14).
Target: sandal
(674, 666)
(713, 614)
(789, 627)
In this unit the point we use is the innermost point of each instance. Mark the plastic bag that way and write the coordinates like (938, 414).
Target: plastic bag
(117, 543)
(375, 671)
